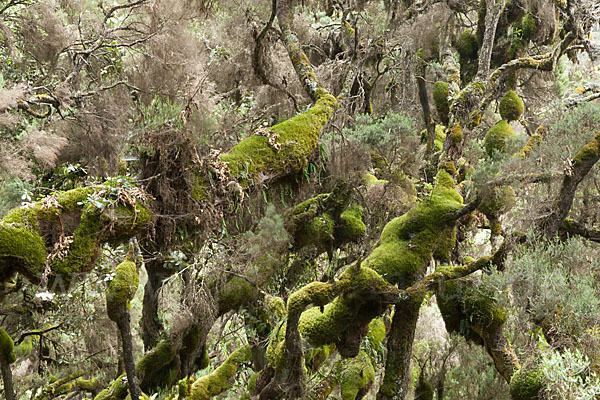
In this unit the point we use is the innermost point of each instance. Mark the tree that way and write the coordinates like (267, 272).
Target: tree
(259, 196)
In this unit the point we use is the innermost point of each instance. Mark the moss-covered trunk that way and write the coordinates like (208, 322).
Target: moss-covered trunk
(124, 324)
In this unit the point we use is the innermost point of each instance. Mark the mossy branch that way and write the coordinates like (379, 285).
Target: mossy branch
(573, 227)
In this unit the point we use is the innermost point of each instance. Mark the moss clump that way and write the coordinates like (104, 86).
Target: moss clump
(122, 288)
(467, 45)
(407, 242)
(456, 134)
(528, 27)
(356, 376)
(526, 385)
(445, 245)
(424, 390)
(151, 368)
(496, 137)
(467, 310)
(498, 201)
(297, 137)
(440, 100)
(237, 291)
(353, 228)
(25, 348)
(7, 347)
(589, 152)
(377, 332)
(511, 106)
(211, 385)
(316, 356)
(116, 391)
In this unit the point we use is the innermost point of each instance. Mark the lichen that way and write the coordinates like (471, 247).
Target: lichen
(211, 385)
(7, 347)
(297, 136)
(496, 137)
(533, 141)
(511, 106)
(355, 376)
(526, 385)
(440, 100)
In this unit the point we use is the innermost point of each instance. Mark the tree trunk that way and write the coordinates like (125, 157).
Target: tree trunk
(9, 392)
(151, 326)
(124, 325)
(400, 340)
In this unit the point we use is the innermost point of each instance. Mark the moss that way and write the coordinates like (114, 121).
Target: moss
(153, 364)
(276, 347)
(589, 152)
(377, 332)
(355, 376)
(116, 391)
(25, 348)
(26, 248)
(440, 100)
(511, 106)
(440, 136)
(371, 180)
(424, 390)
(496, 137)
(275, 306)
(87, 384)
(7, 347)
(315, 357)
(456, 134)
(445, 245)
(211, 385)
(533, 141)
(528, 26)
(463, 305)
(184, 387)
(297, 136)
(407, 242)
(353, 228)
(329, 324)
(526, 385)
(467, 45)
(121, 288)
(448, 166)
(236, 292)
(498, 201)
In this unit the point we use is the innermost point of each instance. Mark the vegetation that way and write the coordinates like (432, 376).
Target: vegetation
(299, 200)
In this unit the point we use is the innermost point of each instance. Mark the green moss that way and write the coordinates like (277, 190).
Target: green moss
(116, 391)
(355, 376)
(496, 137)
(153, 363)
(589, 152)
(377, 332)
(456, 134)
(276, 347)
(27, 250)
(440, 136)
(467, 45)
(297, 136)
(236, 292)
(440, 100)
(329, 324)
(371, 180)
(526, 385)
(353, 228)
(184, 387)
(122, 287)
(275, 306)
(511, 106)
(211, 385)
(7, 347)
(498, 201)
(86, 384)
(408, 241)
(463, 305)
(445, 245)
(315, 357)
(528, 26)
(25, 348)
(424, 390)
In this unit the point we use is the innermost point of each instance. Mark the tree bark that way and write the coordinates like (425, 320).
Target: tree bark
(494, 10)
(9, 391)
(124, 325)
(397, 378)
